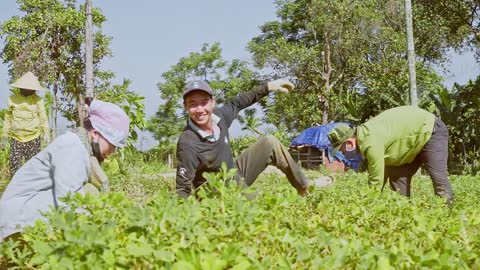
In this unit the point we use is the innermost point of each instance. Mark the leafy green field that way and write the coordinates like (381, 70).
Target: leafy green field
(346, 226)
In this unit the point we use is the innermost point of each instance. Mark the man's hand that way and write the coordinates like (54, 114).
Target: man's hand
(280, 85)
(98, 176)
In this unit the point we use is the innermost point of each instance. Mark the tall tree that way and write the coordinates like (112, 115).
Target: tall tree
(443, 25)
(458, 108)
(89, 79)
(412, 74)
(348, 59)
(48, 39)
(120, 94)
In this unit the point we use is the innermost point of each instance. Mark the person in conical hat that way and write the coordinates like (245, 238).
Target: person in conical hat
(25, 121)
(70, 164)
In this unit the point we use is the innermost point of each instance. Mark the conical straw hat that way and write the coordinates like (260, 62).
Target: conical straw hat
(28, 81)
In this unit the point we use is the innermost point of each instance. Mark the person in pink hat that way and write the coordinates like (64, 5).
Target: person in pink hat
(69, 164)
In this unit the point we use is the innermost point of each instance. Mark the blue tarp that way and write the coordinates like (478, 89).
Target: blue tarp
(318, 137)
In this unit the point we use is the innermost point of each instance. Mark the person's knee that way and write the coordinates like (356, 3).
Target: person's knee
(270, 141)
(439, 177)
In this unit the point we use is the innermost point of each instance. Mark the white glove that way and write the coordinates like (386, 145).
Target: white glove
(323, 181)
(280, 85)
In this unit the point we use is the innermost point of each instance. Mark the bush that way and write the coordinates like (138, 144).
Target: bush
(347, 226)
(240, 144)
(4, 170)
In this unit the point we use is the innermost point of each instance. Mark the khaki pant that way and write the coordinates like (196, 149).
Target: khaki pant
(269, 151)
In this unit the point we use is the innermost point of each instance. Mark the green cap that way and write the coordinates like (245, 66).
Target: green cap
(338, 135)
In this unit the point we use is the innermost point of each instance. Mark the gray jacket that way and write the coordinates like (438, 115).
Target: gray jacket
(62, 167)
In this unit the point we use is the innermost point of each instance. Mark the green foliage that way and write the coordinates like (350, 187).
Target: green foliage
(348, 58)
(4, 168)
(323, 45)
(383, 92)
(240, 144)
(130, 102)
(4, 157)
(164, 153)
(249, 121)
(455, 24)
(2, 117)
(146, 171)
(282, 135)
(458, 108)
(347, 226)
(48, 40)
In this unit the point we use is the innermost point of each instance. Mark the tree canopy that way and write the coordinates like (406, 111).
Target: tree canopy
(348, 58)
(48, 39)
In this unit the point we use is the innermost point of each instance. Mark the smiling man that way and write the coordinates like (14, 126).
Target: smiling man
(204, 143)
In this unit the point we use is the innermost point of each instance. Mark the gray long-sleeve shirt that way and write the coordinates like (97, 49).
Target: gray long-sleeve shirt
(196, 155)
(62, 167)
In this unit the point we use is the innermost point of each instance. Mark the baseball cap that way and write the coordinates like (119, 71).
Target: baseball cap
(338, 135)
(197, 85)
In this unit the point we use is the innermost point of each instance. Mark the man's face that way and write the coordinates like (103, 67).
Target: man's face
(27, 92)
(352, 154)
(349, 148)
(199, 106)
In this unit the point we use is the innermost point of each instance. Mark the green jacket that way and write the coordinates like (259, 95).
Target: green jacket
(25, 118)
(393, 138)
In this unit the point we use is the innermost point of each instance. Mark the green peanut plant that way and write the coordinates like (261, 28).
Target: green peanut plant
(347, 226)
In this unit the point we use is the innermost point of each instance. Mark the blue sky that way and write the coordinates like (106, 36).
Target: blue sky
(150, 36)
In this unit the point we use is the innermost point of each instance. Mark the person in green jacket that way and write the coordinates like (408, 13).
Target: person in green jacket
(395, 144)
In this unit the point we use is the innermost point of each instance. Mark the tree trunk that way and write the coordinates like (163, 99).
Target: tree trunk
(326, 107)
(411, 53)
(53, 111)
(80, 102)
(88, 50)
(170, 160)
(80, 109)
(327, 74)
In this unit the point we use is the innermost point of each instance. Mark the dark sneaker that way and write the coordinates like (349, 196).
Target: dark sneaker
(304, 190)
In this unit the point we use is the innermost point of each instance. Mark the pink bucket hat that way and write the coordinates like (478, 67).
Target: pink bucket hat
(110, 121)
